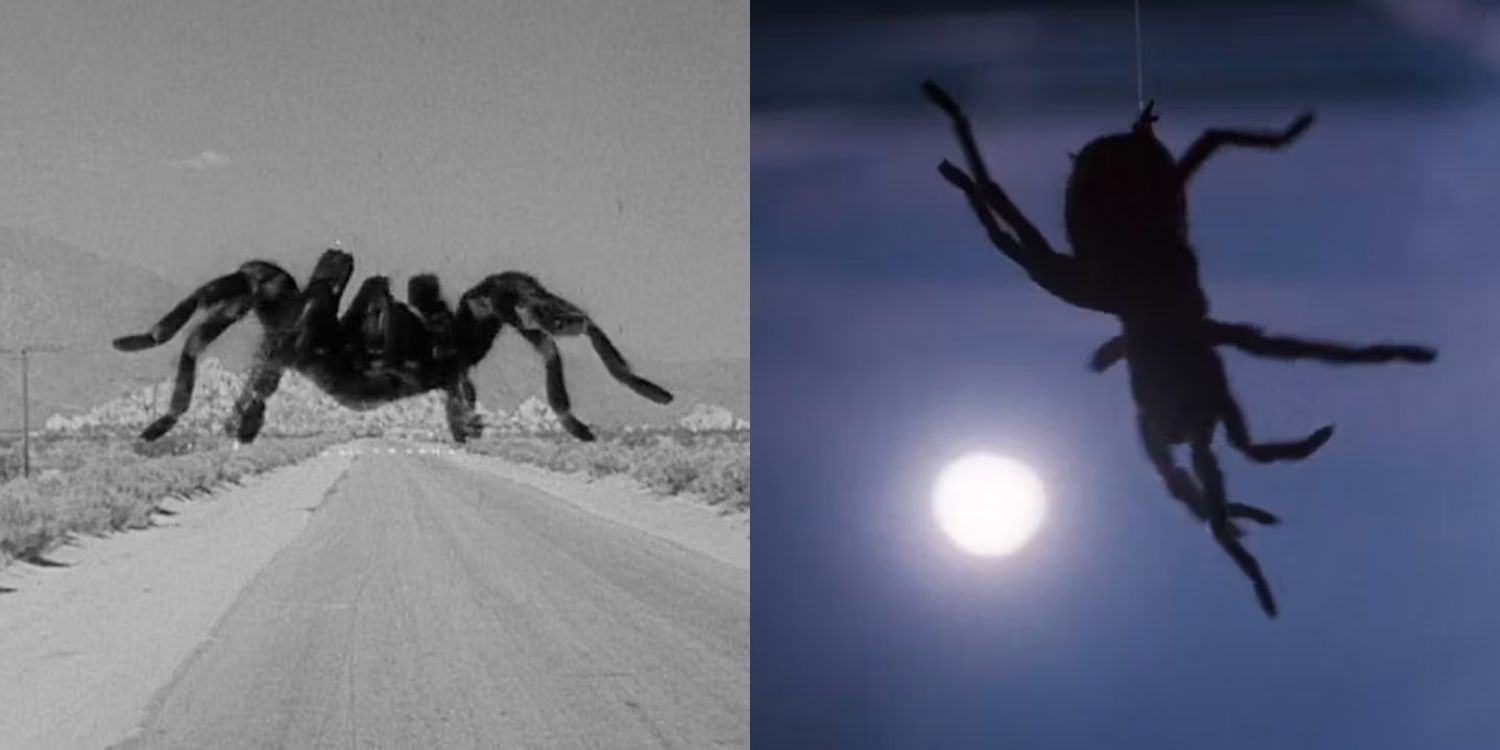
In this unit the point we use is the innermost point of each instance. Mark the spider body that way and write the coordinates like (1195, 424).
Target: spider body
(1126, 216)
(1124, 198)
(380, 350)
(364, 388)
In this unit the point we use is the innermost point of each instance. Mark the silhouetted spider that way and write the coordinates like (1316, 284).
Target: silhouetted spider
(380, 350)
(1126, 216)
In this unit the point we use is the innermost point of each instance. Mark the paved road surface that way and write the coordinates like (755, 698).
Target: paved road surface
(427, 605)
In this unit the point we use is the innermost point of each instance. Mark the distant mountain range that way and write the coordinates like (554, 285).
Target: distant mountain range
(52, 293)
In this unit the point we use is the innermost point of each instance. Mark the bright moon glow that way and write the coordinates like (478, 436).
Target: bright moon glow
(988, 505)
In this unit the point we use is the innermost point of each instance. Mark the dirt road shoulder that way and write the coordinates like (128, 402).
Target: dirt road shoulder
(85, 644)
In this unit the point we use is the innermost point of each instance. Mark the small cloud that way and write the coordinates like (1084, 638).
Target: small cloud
(202, 162)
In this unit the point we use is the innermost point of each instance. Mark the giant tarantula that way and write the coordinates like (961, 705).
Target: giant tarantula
(380, 350)
(1126, 219)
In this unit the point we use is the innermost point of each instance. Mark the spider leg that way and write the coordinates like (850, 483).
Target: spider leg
(557, 388)
(463, 423)
(1028, 247)
(215, 292)
(559, 317)
(425, 296)
(1107, 354)
(1212, 480)
(1258, 515)
(1290, 450)
(1212, 140)
(620, 369)
(1179, 483)
(219, 319)
(990, 191)
(1253, 340)
(363, 325)
(516, 299)
(318, 326)
(407, 342)
(1059, 275)
(466, 388)
(250, 408)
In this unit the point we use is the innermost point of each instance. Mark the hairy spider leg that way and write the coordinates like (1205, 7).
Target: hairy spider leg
(1253, 340)
(1058, 274)
(519, 300)
(425, 296)
(1212, 480)
(257, 285)
(219, 290)
(1181, 486)
(250, 408)
(1250, 512)
(538, 309)
(407, 341)
(219, 318)
(1031, 238)
(383, 329)
(459, 404)
(1179, 483)
(1214, 139)
(364, 324)
(318, 331)
(615, 363)
(1290, 450)
(557, 388)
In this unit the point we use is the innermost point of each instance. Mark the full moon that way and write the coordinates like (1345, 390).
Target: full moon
(988, 505)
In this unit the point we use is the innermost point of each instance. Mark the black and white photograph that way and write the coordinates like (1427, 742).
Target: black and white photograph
(374, 374)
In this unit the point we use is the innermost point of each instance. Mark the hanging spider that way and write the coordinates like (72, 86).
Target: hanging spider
(380, 350)
(1126, 218)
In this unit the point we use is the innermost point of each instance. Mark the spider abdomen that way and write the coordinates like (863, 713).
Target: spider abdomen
(1176, 378)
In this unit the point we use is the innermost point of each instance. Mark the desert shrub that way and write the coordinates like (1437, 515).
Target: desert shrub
(605, 463)
(10, 466)
(118, 489)
(177, 443)
(638, 439)
(713, 465)
(26, 520)
(669, 475)
(727, 482)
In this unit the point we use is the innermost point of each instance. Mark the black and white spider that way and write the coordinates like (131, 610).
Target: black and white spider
(1126, 218)
(380, 350)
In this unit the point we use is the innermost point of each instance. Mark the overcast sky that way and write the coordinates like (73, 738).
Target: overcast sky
(604, 151)
(890, 337)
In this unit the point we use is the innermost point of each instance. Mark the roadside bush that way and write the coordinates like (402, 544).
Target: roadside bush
(110, 495)
(712, 465)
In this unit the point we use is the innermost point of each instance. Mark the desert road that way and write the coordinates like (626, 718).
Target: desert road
(429, 604)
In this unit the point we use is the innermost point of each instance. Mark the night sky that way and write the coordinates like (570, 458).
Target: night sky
(889, 337)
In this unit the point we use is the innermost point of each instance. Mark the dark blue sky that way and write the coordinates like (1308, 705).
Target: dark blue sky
(889, 338)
